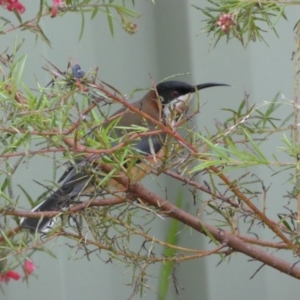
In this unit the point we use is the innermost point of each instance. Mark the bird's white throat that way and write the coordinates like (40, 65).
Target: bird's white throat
(177, 106)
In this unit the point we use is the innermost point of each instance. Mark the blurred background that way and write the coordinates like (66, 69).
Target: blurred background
(167, 43)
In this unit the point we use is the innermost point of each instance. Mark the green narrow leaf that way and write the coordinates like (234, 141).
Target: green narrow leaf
(172, 238)
(39, 33)
(279, 15)
(285, 223)
(242, 105)
(7, 239)
(16, 143)
(219, 150)
(94, 13)
(82, 26)
(255, 146)
(18, 16)
(110, 22)
(21, 71)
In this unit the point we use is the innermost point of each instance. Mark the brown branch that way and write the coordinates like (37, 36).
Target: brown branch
(110, 202)
(201, 188)
(220, 197)
(224, 237)
(72, 210)
(55, 131)
(52, 214)
(138, 257)
(33, 152)
(130, 137)
(233, 187)
(260, 242)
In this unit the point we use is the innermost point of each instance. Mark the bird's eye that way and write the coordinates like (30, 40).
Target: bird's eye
(175, 94)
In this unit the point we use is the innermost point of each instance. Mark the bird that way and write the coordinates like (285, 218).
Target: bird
(78, 180)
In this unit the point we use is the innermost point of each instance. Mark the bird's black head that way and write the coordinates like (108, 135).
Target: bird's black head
(171, 90)
(180, 91)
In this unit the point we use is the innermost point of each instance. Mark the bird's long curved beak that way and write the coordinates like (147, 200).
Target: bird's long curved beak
(209, 84)
(182, 102)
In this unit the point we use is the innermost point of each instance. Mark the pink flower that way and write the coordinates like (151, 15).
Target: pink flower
(11, 5)
(226, 21)
(19, 7)
(55, 4)
(29, 267)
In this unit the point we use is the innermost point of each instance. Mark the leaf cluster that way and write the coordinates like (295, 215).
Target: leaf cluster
(250, 19)
(116, 11)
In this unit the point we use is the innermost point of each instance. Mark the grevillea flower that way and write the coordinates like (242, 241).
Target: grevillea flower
(11, 5)
(29, 267)
(9, 275)
(55, 4)
(226, 21)
(19, 7)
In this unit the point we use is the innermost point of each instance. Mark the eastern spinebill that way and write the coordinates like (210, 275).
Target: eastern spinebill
(158, 103)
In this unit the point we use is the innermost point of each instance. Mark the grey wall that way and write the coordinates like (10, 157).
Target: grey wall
(166, 44)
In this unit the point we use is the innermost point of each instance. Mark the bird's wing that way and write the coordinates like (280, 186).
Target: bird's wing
(78, 180)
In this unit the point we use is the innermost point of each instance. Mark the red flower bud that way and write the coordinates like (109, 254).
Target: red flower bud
(29, 267)
(224, 28)
(13, 275)
(19, 7)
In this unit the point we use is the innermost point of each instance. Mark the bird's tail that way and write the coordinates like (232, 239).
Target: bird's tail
(56, 202)
(75, 184)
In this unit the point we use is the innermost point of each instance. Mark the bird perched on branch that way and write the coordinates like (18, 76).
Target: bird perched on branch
(159, 103)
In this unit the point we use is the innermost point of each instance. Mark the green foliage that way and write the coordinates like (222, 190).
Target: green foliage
(114, 10)
(247, 20)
